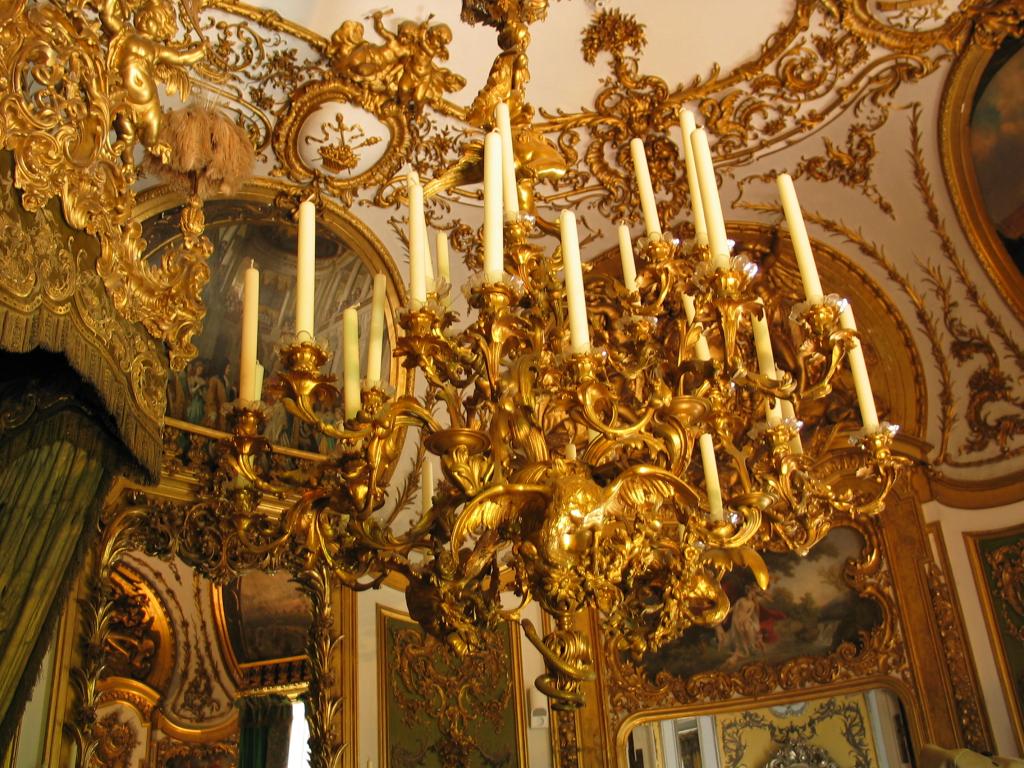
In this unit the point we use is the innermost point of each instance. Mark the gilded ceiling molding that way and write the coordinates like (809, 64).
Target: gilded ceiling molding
(276, 74)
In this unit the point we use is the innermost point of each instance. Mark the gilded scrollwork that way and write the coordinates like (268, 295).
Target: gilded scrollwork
(79, 73)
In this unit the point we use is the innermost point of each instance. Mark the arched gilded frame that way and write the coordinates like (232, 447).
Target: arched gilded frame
(958, 101)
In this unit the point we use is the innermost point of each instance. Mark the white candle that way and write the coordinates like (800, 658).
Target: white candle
(701, 347)
(444, 266)
(579, 332)
(428, 261)
(861, 382)
(350, 345)
(714, 488)
(795, 445)
(766, 358)
(306, 269)
(717, 241)
(250, 333)
(628, 262)
(375, 348)
(643, 183)
(417, 230)
(258, 389)
(689, 125)
(510, 192)
(494, 257)
(801, 243)
(427, 485)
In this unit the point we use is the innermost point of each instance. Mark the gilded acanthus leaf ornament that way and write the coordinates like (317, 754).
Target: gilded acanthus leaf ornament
(77, 75)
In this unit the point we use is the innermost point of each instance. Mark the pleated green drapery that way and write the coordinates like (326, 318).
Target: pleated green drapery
(264, 726)
(56, 459)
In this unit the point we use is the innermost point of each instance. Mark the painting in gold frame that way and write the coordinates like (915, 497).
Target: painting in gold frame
(972, 71)
(997, 560)
(878, 659)
(808, 609)
(438, 709)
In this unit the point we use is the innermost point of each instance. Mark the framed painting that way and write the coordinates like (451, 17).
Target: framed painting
(997, 559)
(439, 709)
(997, 134)
(980, 133)
(809, 609)
(825, 620)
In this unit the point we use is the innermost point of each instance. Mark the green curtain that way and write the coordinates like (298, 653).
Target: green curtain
(264, 725)
(57, 455)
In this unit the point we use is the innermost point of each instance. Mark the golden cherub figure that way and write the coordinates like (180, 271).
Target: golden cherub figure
(142, 54)
(403, 68)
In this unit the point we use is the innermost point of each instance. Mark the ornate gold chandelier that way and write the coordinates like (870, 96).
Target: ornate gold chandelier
(617, 443)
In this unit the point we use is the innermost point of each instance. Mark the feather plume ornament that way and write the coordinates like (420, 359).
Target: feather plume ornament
(210, 153)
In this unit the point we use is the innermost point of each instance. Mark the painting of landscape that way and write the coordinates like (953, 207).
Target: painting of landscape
(807, 610)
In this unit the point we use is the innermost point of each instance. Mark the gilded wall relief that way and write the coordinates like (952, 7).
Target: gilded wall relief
(439, 709)
(117, 740)
(182, 754)
(997, 559)
(140, 643)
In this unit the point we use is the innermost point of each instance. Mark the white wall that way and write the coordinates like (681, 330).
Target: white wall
(954, 523)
